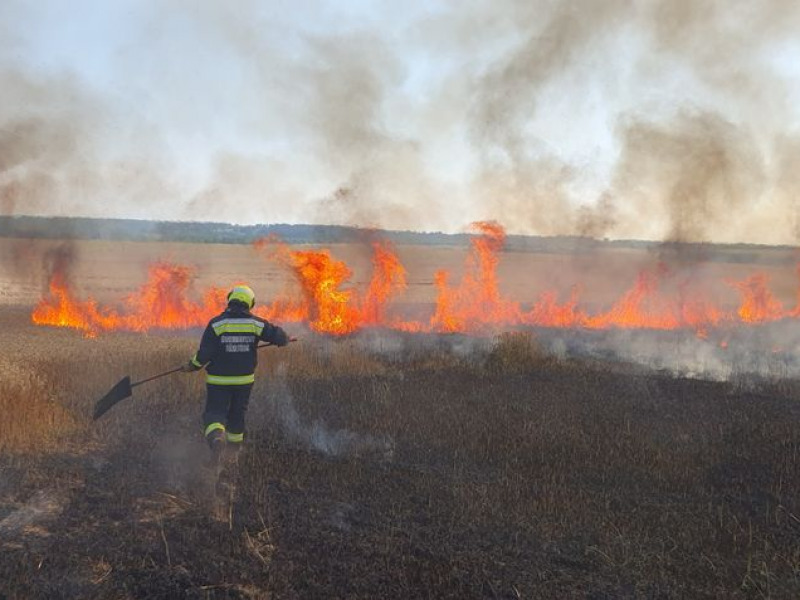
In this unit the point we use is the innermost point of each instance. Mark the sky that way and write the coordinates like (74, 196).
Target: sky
(672, 120)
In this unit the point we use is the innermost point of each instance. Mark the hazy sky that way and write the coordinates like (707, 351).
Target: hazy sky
(659, 119)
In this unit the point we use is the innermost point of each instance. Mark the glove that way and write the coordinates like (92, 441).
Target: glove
(189, 367)
(281, 339)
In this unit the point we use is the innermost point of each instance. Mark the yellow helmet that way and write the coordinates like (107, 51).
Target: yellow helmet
(243, 294)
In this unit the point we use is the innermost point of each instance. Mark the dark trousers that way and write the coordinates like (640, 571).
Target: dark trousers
(226, 406)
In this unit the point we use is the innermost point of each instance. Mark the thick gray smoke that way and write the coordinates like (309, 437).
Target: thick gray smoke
(659, 119)
(43, 128)
(697, 175)
(691, 168)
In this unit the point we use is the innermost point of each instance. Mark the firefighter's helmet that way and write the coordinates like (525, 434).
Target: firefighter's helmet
(243, 294)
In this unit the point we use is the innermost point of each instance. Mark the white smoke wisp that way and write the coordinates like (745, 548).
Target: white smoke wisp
(767, 352)
(399, 347)
(277, 409)
(182, 461)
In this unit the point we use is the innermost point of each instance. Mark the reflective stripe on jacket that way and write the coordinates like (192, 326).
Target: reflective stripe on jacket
(228, 347)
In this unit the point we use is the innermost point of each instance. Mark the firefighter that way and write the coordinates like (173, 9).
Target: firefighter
(228, 352)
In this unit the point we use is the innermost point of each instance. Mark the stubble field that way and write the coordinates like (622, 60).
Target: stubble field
(433, 473)
(108, 270)
(387, 465)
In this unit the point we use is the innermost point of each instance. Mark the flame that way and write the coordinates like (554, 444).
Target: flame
(547, 312)
(326, 299)
(162, 302)
(61, 309)
(640, 307)
(327, 305)
(388, 279)
(758, 303)
(476, 303)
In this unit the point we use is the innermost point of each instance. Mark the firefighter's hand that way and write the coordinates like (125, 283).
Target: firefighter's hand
(280, 339)
(189, 367)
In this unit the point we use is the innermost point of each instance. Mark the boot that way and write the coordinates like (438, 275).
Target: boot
(216, 441)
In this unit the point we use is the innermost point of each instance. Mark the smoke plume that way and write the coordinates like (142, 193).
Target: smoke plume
(658, 119)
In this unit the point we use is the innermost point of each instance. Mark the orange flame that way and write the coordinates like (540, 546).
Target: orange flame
(388, 279)
(60, 308)
(758, 303)
(476, 302)
(547, 312)
(329, 303)
(639, 307)
(161, 302)
(330, 309)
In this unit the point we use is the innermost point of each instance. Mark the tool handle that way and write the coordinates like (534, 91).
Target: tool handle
(176, 369)
(164, 374)
(291, 339)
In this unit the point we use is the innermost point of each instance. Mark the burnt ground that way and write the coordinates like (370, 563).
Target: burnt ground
(517, 476)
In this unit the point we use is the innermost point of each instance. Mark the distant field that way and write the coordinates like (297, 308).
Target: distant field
(393, 466)
(109, 270)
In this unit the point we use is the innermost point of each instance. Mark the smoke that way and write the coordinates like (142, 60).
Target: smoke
(690, 167)
(58, 155)
(658, 119)
(767, 353)
(280, 410)
(384, 177)
(58, 262)
(787, 188)
(694, 179)
(519, 179)
(42, 129)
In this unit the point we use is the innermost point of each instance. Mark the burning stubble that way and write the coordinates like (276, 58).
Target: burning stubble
(661, 297)
(667, 319)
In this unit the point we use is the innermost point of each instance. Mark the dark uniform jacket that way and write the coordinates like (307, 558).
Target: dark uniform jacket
(228, 347)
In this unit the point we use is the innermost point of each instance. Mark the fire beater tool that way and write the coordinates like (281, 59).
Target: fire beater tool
(124, 389)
